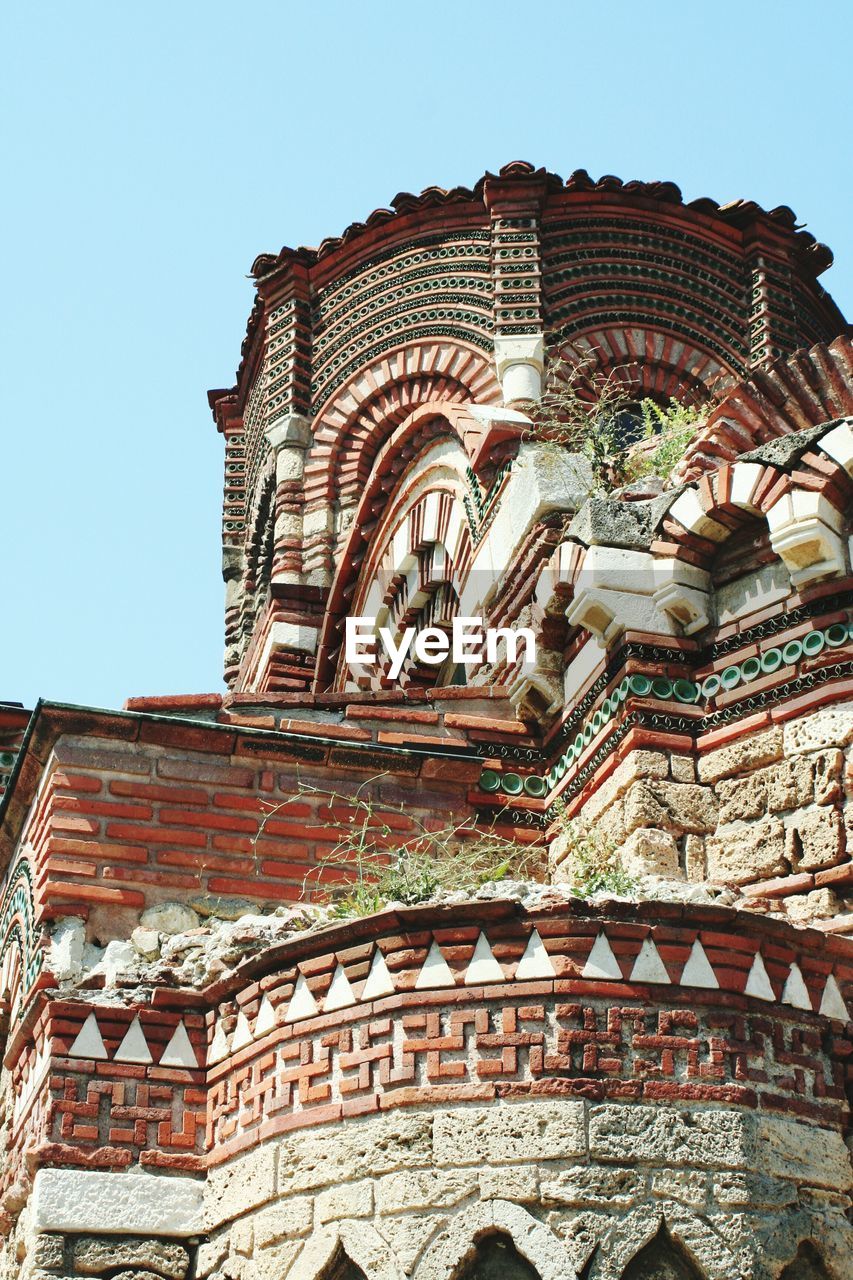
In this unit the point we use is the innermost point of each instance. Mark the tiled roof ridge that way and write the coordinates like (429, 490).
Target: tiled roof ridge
(734, 211)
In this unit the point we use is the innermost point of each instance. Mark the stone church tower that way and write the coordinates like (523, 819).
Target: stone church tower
(533, 969)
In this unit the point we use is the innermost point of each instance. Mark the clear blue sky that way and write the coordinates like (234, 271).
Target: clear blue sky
(150, 151)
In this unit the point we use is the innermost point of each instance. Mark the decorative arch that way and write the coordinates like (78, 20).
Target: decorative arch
(349, 434)
(359, 1242)
(647, 361)
(21, 957)
(537, 1244)
(677, 1229)
(422, 430)
(792, 394)
(806, 1265)
(495, 1257)
(661, 1259)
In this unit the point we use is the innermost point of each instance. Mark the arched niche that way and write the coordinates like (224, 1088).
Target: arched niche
(342, 1267)
(495, 1257)
(807, 1265)
(661, 1259)
(746, 573)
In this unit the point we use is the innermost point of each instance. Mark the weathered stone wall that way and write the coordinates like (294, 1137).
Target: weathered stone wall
(769, 812)
(569, 1180)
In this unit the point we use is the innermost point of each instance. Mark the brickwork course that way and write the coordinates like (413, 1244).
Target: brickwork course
(632, 1059)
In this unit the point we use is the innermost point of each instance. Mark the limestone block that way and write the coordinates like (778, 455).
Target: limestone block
(684, 1185)
(274, 1263)
(521, 1185)
(408, 1235)
(739, 854)
(804, 1153)
(742, 755)
(838, 444)
(743, 798)
(754, 1190)
(649, 852)
(829, 727)
(358, 1149)
(240, 1185)
(83, 1200)
(820, 904)
(828, 775)
(585, 1187)
(170, 918)
(243, 1237)
(790, 783)
(349, 1200)
(815, 838)
(67, 942)
(507, 1133)
(424, 1189)
(136, 1275)
(683, 768)
(581, 1233)
(672, 806)
(288, 1217)
(651, 1135)
(637, 766)
(48, 1251)
(694, 858)
(95, 1256)
(147, 942)
(210, 1254)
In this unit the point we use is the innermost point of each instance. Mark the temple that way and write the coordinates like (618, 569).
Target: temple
(517, 968)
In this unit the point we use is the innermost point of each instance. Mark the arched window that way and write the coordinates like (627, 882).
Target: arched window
(343, 1268)
(806, 1266)
(496, 1258)
(661, 1259)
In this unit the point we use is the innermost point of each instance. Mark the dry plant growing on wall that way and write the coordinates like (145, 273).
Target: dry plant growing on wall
(593, 861)
(596, 414)
(381, 865)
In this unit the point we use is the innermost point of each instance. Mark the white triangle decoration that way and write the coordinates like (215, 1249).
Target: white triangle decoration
(794, 991)
(379, 981)
(89, 1042)
(179, 1052)
(648, 967)
(218, 1045)
(483, 966)
(340, 994)
(535, 963)
(302, 1003)
(758, 983)
(134, 1046)
(832, 1002)
(435, 971)
(698, 972)
(242, 1033)
(601, 962)
(266, 1019)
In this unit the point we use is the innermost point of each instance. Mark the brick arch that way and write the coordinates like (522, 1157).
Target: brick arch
(536, 1243)
(350, 433)
(647, 361)
(795, 392)
(422, 429)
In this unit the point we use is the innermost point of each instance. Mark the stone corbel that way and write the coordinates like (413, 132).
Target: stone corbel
(614, 592)
(520, 364)
(805, 532)
(683, 592)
